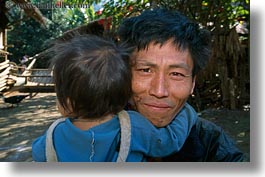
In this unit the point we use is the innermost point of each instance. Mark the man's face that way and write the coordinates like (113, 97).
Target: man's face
(161, 82)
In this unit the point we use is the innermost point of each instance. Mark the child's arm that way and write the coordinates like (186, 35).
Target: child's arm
(38, 149)
(159, 142)
(42, 147)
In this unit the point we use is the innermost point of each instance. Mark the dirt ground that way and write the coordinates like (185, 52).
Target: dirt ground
(20, 125)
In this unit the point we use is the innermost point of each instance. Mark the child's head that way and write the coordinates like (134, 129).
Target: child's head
(92, 76)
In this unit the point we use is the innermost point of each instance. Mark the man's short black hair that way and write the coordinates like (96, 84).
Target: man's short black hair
(161, 25)
(92, 76)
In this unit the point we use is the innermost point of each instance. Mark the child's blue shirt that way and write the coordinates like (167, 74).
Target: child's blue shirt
(101, 143)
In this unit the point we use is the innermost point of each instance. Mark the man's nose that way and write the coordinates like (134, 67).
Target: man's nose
(159, 86)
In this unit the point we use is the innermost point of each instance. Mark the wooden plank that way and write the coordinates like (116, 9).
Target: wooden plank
(27, 70)
(4, 66)
(5, 72)
(35, 89)
(40, 69)
(3, 78)
(4, 63)
(3, 86)
(2, 82)
(36, 76)
(3, 52)
(26, 76)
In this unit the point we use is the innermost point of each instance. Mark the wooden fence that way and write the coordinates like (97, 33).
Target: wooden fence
(25, 79)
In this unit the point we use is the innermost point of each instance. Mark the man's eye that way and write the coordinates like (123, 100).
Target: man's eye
(146, 70)
(178, 76)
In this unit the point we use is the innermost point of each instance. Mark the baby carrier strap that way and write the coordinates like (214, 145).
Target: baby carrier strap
(124, 146)
(49, 149)
(125, 136)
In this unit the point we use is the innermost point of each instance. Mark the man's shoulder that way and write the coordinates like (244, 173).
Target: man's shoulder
(208, 127)
(207, 142)
(207, 132)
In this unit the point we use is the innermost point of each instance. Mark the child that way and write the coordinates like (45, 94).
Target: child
(93, 84)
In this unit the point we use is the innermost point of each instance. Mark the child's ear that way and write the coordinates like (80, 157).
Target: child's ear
(66, 112)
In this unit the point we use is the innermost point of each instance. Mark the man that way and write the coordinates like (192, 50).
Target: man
(169, 51)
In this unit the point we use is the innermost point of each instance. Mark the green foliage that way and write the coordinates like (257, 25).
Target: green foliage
(121, 9)
(30, 38)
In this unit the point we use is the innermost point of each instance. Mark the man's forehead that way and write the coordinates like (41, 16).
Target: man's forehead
(173, 64)
(167, 56)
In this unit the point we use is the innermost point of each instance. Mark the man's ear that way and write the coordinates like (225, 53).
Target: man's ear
(193, 84)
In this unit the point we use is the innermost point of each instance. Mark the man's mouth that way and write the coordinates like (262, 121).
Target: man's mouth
(157, 106)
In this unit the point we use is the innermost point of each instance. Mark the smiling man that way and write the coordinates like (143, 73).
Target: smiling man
(169, 51)
(162, 82)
